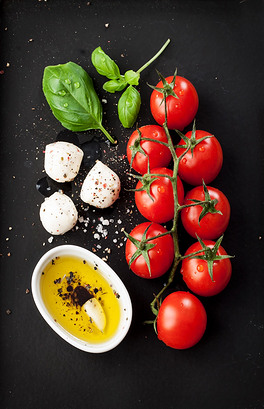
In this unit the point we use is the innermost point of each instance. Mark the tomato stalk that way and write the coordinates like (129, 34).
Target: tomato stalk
(174, 229)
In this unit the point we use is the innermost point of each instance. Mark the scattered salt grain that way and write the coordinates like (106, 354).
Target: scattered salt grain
(50, 239)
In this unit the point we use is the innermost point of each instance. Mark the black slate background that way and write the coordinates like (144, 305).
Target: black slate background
(218, 45)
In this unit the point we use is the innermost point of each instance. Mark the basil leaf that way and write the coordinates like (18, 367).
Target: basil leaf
(132, 77)
(71, 96)
(115, 85)
(128, 106)
(104, 65)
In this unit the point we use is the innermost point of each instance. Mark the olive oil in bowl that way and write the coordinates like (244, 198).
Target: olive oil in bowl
(81, 298)
(62, 276)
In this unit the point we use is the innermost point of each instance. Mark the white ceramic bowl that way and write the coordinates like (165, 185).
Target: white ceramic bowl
(108, 274)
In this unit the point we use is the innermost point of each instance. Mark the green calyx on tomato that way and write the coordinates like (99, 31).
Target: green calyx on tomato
(208, 205)
(146, 181)
(142, 248)
(192, 142)
(136, 147)
(158, 257)
(210, 254)
(168, 87)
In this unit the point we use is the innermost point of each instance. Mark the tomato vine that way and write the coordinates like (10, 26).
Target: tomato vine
(208, 205)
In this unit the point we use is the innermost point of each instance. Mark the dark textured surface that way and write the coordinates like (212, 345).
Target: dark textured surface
(217, 45)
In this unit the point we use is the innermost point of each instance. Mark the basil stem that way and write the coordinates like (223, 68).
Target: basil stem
(155, 56)
(72, 98)
(128, 106)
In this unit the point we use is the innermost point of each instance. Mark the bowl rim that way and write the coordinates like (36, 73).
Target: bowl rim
(108, 273)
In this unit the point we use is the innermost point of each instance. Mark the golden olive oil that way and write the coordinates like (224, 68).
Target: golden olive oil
(58, 281)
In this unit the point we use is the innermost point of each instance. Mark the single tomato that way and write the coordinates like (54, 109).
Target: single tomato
(181, 320)
(159, 251)
(196, 274)
(159, 207)
(180, 111)
(212, 225)
(141, 152)
(203, 162)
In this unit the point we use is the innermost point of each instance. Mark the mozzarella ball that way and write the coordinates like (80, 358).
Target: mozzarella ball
(62, 161)
(101, 186)
(58, 214)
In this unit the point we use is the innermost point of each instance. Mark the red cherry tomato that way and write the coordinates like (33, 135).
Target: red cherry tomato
(161, 256)
(180, 111)
(196, 275)
(181, 320)
(161, 208)
(211, 226)
(204, 163)
(159, 155)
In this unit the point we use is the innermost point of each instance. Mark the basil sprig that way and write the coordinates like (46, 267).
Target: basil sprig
(130, 101)
(72, 98)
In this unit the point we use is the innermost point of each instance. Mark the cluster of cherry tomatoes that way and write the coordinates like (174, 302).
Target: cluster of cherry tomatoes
(204, 210)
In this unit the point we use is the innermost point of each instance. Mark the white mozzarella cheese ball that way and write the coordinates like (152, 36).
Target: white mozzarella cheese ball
(62, 161)
(101, 186)
(58, 214)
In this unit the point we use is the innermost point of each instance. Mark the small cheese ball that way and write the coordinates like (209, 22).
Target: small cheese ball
(62, 161)
(58, 214)
(101, 186)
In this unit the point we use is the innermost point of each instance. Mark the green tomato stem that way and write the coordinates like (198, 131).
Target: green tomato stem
(155, 141)
(154, 58)
(202, 202)
(190, 255)
(170, 280)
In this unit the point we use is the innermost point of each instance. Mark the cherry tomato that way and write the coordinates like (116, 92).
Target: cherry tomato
(204, 163)
(196, 275)
(159, 208)
(181, 320)
(157, 154)
(212, 225)
(180, 111)
(160, 257)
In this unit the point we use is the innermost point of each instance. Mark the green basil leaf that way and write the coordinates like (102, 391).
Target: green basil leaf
(132, 77)
(115, 85)
(128, 106)
(71, 96)
(104, 65)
